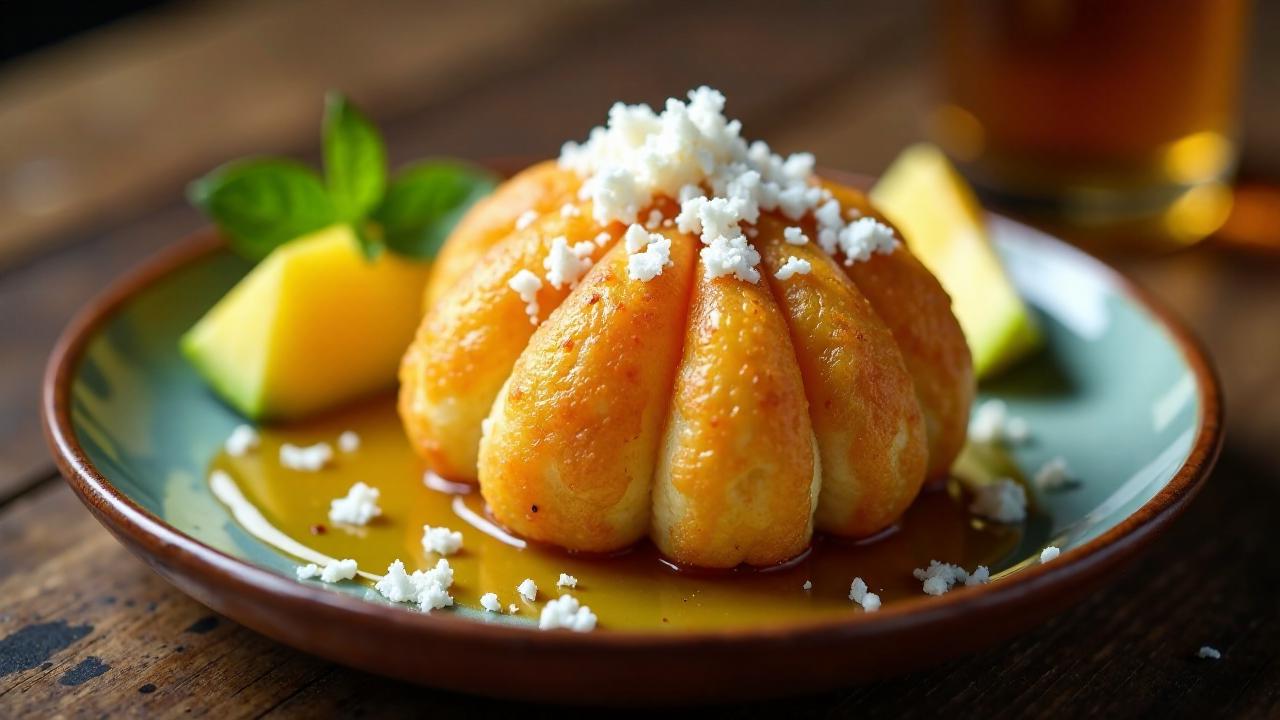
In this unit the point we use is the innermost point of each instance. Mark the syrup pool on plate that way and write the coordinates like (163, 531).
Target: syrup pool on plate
(634, 589)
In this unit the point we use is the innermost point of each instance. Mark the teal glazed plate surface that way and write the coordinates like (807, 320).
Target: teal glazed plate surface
(1121, 391)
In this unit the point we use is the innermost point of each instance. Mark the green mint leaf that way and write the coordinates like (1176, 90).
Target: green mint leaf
(370, 245)
(425, 201)
(355, 161)
(260, 204)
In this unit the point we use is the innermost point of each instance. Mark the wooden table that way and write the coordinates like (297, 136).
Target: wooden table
(100, 135)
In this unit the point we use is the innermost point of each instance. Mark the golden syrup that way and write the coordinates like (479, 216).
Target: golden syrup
(635, 589)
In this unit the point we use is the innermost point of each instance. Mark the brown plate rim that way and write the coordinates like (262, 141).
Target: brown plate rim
(154, 536)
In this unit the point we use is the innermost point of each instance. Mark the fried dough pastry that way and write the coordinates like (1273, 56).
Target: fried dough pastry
(726, 420)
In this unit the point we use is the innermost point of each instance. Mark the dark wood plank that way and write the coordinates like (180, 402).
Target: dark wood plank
(96, 130)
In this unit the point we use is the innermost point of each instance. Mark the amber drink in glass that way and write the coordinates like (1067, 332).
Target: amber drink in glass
(1115, 116)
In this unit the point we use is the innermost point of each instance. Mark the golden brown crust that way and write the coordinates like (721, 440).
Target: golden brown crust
(570, 450)
(912, 303)
(862, 402)
(468, 342)
(818, 401)
(543, 188)
(737, 477)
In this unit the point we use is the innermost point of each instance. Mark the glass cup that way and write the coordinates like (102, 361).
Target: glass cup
(1115, 117)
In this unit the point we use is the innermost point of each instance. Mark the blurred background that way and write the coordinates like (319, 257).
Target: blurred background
(1147, 131)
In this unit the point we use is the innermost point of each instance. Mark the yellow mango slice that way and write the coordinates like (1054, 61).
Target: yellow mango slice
(738, 476)
(573, 438)
(312, 326)
(866, 417)
(943, 224)
(915, 308)
(543, 187)
(467, 344)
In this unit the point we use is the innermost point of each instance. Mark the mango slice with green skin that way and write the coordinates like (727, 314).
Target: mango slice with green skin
(941, 219)
(314, 325)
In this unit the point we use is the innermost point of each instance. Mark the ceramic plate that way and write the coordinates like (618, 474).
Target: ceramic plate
(1121, 391)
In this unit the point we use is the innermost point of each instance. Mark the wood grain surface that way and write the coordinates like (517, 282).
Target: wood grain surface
(101, 134)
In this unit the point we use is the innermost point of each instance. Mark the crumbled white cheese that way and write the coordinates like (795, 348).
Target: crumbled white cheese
(615, 195)
(434, 597)
(654, 220)
(730, 256)
(650, 253)
(489, 601)
(936, 585)
(1017, 430)
(808, 585)
(566, 265)
(332, 572)
(1053, 475)
(992, 423)
(864, 236)
(513, 608)
(793, 266)
(306, 459)
(939, 577)
(795, 236)
(1209, 653)
(870, 602)
(640, 154)
(431, 587)
(567, 580)
(1003, 501)
(528, 589)
(603, 239)
(647, 265)
(987, 424)
(526, 219)
(567, 613)
(440, 540)
(636, 238)
(349, 441)
(395, 585)
(526, 285)
(569, 210)
(1049, 553)
(980, 576)
(358, 507)
(241, 441)
(858, 590)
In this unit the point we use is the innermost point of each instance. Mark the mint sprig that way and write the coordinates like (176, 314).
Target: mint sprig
(263, 203)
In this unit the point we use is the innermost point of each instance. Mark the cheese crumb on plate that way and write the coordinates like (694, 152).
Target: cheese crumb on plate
(528, 589)
(331, 572)
(568, 614)
(441, 540)
(241, 441)
(309, 458)
(1004, 501)
(349, 441)
(358, 507)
